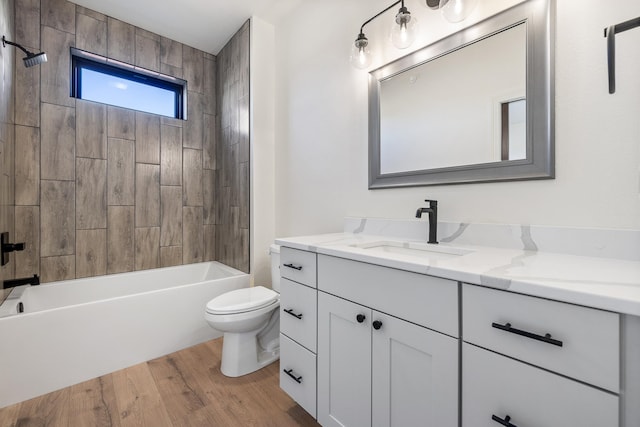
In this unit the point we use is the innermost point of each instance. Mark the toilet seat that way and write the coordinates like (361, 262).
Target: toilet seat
(242, 300)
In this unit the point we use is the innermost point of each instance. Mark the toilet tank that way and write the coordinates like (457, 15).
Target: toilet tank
(274, 251)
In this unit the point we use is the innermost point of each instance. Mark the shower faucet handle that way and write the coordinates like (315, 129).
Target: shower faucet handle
(6, 248)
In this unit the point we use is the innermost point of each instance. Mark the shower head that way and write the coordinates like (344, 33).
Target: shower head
(32, 58)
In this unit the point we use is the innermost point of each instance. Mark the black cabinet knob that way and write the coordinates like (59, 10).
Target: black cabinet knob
(360, 318)
(377, 324)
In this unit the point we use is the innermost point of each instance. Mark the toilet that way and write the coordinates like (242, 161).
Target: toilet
(250, 321)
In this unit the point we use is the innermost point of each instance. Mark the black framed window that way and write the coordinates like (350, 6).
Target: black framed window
(99, 79)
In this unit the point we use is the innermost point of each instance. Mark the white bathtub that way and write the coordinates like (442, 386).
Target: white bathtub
(75, 330)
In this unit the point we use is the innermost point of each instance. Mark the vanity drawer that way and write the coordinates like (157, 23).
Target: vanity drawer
(298, 316)
(428, 301)
(298, 373)
(495, 385)
(299, 266)
(516, 325)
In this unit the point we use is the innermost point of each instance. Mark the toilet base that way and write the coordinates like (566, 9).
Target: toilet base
(241, 354)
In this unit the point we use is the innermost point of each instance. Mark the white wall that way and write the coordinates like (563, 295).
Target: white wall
(321, 124)
(262, 205)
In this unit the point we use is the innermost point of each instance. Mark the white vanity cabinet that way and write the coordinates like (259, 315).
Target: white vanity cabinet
(528, 361)
(298, 303)
(374, 366)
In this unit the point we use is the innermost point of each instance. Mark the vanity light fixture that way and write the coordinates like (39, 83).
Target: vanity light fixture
(453, 10)
(403, 33)
(404, 28)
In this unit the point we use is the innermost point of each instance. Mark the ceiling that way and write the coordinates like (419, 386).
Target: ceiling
(204, 24)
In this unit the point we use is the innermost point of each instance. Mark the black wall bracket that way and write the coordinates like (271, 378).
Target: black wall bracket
(610, 34)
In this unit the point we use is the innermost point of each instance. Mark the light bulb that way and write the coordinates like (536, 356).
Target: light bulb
(360, 53)
(457, 10)
(404, 29)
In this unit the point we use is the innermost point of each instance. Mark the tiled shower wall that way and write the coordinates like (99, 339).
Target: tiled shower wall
(7, 134)
(232, 169)
(101, 189)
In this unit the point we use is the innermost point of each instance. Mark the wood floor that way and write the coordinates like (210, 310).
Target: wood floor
(182, 389)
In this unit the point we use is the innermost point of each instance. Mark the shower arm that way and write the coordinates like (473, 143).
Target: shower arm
(610, 34)
(5, 41)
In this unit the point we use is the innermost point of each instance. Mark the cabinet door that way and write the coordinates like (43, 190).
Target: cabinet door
(344, 363)
(496, 387)
(414, 375)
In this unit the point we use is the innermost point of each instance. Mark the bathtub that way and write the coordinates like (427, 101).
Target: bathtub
(75, 330)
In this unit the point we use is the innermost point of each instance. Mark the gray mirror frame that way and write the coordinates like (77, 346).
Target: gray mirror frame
(540, 161)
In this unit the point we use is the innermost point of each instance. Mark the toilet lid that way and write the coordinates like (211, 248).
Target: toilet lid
(242, 300)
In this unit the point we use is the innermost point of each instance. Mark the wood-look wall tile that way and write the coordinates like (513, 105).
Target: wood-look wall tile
(27, 21)
(171, 155)
(121, 40)
(170, 121)
(91, 253)
(171, 216)
(53, 269)
(148, 196)
(192, 177)
(91, 129)
(120, 239)
(209, 142)
(147, 51)
(243, 129)
(55, 84)
(121, 123)
(59, 14)
(27, 93)
(192, 127)
(193, 68)
(58, 142)
(121, 172)
(91, 34)
(170, 70)
(243, 65)
(170, 256)
(209, 196)
(171, 52)
(57, 218)
(209, 86)
(222, 202)
(193, 235)
(147, 248)
(92, 13)
(27, 220)
(91, 193)
(209, 243)
(147, 138)
(244, 195)
(27, 166)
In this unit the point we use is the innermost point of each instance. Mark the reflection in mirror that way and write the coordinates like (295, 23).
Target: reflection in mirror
(448, 112)
(476, 106)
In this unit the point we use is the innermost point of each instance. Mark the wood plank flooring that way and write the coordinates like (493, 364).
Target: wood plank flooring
(185, 388)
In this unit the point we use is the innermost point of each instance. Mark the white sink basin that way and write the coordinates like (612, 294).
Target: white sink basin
(422, 250)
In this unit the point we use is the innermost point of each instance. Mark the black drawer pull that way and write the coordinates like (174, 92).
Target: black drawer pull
(295, 267)
(290, 311)
(360, 318)
(546, 338)
(504, 422)
(377, 324)
(296, 379)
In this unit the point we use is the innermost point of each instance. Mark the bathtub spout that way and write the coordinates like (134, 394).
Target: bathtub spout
(35, 280)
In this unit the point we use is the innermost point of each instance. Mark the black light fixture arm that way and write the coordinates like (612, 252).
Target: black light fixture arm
(5, 41)
(380, 13)
(610, 34)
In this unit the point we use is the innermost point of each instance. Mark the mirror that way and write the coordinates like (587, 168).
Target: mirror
(474, 107)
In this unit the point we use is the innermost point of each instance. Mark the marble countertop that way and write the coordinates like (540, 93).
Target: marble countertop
(604, 283)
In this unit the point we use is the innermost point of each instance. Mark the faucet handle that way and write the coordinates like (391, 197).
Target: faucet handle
(432, 202)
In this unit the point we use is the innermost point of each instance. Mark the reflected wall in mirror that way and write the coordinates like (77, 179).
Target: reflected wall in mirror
(474, 107)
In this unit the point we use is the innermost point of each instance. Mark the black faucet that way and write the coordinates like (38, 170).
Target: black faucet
(33, 281)
(432, 210)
